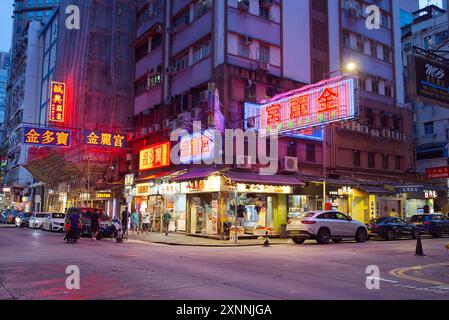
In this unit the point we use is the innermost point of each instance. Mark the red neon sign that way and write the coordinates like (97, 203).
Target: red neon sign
(155, 156)
(57, 102)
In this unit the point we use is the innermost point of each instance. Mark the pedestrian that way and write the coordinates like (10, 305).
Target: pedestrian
(145, 221)
(135, 221)
(393, 213)
(140, 222)
(166, 218)
(95, 224)
(125, 220)
(75, 224)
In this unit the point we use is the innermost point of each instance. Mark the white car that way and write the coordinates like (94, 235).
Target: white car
(36, 220)
(324, 226)
(54, 222)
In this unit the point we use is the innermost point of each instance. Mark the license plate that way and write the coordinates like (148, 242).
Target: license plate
(294, 232)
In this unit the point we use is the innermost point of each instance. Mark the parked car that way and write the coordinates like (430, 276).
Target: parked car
(54, 222)
(433, 224)
(4, 216)
(12, 216)
(391, 228)
(86, 219)
(324, 226)
(36, 220)
(23, 219)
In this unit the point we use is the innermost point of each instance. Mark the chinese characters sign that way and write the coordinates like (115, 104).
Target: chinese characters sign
(197, 147)
(57, 102)
(104, 139)
(47, 137)
(438, 173)
(308, 109)
(429, 80)
(155, 156)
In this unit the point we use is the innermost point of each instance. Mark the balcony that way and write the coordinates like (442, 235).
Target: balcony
(191, 77)
(147, 100)
(192, 33)
(358, 25)
(149, 62)
(148, 24)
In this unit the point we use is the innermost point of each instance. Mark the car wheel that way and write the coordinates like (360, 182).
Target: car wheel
(338, 240)
(361, 235)
(298, 240)
(323, 236)
(389, 236)
(437, 233)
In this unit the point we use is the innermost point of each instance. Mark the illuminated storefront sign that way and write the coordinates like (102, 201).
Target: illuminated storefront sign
(430, 194)
(143, 189)
(57, 102)
(47, 137)
(155, 156)
(315, 107)
(211, 184)
(343, 191)
(129, 179)
(104, 139)
(104, 195)
(259, 188)
(197, 147)
(169, 188)
(437, 173)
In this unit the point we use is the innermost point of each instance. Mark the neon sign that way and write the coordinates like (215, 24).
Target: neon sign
(47, 137)
(155, 156)
(104, 139)
(197, 147)
(57, 102)
(305, 110)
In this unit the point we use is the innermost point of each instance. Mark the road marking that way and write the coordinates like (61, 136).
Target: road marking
(400, 273)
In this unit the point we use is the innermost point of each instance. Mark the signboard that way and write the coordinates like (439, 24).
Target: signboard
(155, 156)
(438, 173)
(57, 102)
(306, 109)
(197, 147)
(129, 179)
(47, 137)
(143, 189)
(103, 195)
(214, 206)
(104, 139)
(429, 80)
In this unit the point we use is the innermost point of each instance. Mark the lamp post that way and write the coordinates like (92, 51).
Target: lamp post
(351, 67)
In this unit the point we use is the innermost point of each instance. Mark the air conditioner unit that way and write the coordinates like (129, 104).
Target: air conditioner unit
(204, 96)
(264, 66)
(243, 5)
(289, 164)
(267, 3)
(249, 40)
(243, 162)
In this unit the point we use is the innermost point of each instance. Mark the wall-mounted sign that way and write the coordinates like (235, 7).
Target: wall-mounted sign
(211, 184)
(430, 194)
(438, 173)
(103, 195)
(259, 188)
(197, 147)
(343, 191)
(428, 80)
(310, 108)
(143, 189)
(47, 137)
(169, 188)
(357, 127)
(57, 102)
(155, 156)
(129, 179)
(104, 139)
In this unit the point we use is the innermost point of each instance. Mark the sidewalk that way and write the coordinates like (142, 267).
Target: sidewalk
(176, 239)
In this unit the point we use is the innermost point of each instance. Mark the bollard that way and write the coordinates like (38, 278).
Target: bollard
(419, 250)
(267, 240)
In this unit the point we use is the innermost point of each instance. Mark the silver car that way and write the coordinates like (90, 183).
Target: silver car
(324, 226)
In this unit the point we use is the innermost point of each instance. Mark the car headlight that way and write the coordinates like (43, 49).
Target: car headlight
(38, 221)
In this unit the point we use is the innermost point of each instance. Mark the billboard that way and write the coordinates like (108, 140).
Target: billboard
(197, 147)
(155, 156)
(438, 173)
(47, 137)
(428, 80)
(306, 109)
(104, 139)
(57, 102)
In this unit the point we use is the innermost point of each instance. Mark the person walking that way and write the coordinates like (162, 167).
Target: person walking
(145, 221)
(95, 224)
(125, 220)
(166, 218)
(134, 221)
(75, 223)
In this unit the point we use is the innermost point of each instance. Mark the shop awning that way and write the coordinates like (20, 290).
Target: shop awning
(164, 175)
(256, 178)
(195, 174)
(375, 189)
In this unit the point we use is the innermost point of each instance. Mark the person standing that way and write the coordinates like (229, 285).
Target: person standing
(166, 218)
(135, 221)
(125, 220)
(145, 221)
(95, 224)
(75, 222)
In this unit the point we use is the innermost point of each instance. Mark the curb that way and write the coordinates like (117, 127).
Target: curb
(208, 245)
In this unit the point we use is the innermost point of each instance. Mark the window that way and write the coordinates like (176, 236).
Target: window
(388, 91)
(385, 161)
(181, 62)
(369, 116)
(201, 52)
(264, 53)
(384, 120)
(397, 163)
(387, 54)
(396, 123)
(156, 41)
(291, 149)
(346, 40)
(201, 7)
(385, 20)
(154, 80)
(375, 84)
(181, 20)
(341, 216)
(427, 42)
(264, 11)
(371, 160)
(141, 51)
(244, 47)
(441, 37)
(310, 152)
(428, 128)
(250, 93)
(356, 158)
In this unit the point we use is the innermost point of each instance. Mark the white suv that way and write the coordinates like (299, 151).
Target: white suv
(54, 222)
(324, 226)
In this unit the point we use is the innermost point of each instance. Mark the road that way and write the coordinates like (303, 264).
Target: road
(33, 265)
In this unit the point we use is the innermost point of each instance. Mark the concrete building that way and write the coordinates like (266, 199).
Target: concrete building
(250, 51)
(4, 69)
(429, 31)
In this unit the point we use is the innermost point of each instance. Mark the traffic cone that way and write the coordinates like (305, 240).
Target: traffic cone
(419, 250)
(267, 240)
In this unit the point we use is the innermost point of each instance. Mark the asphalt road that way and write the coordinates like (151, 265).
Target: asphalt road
(33, 265)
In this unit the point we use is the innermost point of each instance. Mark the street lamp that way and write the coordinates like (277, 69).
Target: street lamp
(350, 67)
